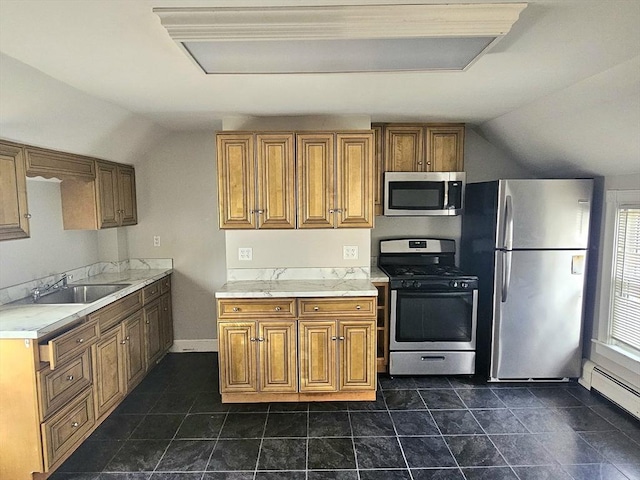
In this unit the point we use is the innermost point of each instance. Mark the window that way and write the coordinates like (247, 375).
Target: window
(625, 288)
(618, 323)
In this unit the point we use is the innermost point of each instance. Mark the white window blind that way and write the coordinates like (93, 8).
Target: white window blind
(625, 323)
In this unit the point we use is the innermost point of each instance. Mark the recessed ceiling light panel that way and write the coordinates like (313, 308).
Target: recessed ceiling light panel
(334, 39)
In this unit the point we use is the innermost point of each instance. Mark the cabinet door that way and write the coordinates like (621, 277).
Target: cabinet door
(404, 150)
(236, 181)
(108, 371)
(152, 342)
(354, 180)
(357, 355)
(108, 196)
(276, 188)
(278, 370)
(378, 167)
(445, 148)
(166, 322)
(128, 211)
(238, 357)
(317, 352)
(134, 354)
(315, 173)
(14, 219)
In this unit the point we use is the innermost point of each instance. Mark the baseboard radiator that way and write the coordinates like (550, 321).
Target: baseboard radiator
(613, 388)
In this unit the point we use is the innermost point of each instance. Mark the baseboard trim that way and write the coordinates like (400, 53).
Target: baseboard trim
(186, 346)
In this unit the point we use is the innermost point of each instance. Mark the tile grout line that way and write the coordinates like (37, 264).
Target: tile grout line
(264, 429)
(215, 444)
(404, 456)
(353, 444)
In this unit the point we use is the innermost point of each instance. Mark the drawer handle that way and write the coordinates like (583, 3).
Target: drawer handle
(75, 425)
(278, 309)
(70, 378)
(236, 309)
(80, 340)
(358, 307)
(316, 308)
(153, 292)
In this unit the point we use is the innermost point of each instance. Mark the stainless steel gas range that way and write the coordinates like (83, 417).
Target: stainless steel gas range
(433, 308)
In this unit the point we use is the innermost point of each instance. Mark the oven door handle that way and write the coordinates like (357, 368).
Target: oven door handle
(506, 274)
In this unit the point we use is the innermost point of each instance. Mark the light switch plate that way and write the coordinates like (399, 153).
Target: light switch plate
(245, 253)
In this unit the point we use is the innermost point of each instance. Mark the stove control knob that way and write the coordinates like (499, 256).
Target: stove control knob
(416, 284)
(405, 284)
(454, 284)
(464, 285)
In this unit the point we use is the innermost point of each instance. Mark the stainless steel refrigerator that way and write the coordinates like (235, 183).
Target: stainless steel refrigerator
(527, 240)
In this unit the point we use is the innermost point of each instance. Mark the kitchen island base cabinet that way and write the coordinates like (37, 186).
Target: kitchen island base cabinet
(318, 358)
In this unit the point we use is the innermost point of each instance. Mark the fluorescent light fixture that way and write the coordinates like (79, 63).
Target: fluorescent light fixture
(333, 39)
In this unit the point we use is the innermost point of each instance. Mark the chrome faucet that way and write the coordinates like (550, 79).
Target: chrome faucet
(37, 292)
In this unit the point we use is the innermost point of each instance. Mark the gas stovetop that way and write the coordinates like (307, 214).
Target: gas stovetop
(423, 263)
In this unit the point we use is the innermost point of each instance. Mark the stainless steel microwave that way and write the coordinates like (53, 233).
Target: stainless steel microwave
(423, 193)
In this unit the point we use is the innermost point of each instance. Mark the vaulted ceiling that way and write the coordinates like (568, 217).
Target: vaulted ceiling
(560, 93)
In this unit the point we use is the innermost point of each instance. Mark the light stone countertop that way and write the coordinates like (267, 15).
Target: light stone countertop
(34, 321)
(378, 276)
(358, 287)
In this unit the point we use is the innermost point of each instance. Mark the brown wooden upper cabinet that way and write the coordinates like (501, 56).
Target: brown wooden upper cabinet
(108, 201)
(257, 174)
(256, 180)
(335, 186)
(424, 148)
(14, 217)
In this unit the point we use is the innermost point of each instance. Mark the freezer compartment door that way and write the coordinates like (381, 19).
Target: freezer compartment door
(543, 214)
(537, 319)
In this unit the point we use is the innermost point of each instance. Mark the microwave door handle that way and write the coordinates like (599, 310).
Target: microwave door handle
(507, 234)
(445, 202)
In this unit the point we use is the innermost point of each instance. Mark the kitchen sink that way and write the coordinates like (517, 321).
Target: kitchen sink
(81, 293)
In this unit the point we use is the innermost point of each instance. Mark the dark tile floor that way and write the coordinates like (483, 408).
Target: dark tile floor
(173, 427)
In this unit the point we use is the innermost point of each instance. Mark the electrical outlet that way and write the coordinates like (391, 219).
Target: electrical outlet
(350, 252)
(156, 240)
(245, 253)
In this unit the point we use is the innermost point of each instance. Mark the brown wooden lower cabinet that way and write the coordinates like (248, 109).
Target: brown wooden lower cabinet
(55, 393)
(319, 358)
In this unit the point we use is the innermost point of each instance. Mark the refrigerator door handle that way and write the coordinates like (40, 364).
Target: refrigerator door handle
(507, 237)
(506, 275)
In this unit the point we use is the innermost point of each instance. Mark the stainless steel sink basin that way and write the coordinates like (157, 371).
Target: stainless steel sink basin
(81, 293)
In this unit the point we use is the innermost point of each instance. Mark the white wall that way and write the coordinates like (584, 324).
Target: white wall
(38, 110)
(177, 200)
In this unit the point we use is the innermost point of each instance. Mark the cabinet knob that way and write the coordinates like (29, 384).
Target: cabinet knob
(340, 338)
(260, 339)
(419, 163)
(27, 215)
(236, 309)
(147, 322)
(316, 308)
(70, 378)
(332, 210)
(253, 339)
(80, 340)
(278, 309)
(123, 342)
(334, 338)
(358, 307)
(75, 425)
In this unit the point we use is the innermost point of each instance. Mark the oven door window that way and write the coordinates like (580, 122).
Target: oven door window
(416, 195)
(434, 316)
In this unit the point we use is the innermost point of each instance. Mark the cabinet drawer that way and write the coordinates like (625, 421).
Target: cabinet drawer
(69, 344)
(165, 285)
(110, 315)
(251, 308)
(67, 427)
(59, 386)
(337, 307)
(151, 292)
